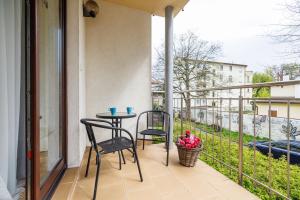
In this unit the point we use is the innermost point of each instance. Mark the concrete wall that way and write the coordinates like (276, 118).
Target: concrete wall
(76, 81)
(278, 132)
(281, 108)
(118, 61)
(285, 91)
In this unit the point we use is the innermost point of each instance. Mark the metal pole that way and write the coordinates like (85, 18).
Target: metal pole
(240, 140)
(181, 115)
(169, 66)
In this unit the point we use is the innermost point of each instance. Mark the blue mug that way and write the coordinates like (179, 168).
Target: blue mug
(113, 110)
(129, 110)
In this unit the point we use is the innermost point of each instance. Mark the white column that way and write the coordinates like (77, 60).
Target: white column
(169, 66)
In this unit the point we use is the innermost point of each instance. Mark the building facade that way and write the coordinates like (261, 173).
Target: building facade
(225, 75)
(279, 108)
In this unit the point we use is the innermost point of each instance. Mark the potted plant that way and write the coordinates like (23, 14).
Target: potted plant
(189, 147)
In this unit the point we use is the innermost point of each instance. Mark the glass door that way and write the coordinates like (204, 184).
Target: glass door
(50, 64)
(48, 95)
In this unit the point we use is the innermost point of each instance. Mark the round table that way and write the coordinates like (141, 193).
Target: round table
(117, 118)
(118, 115)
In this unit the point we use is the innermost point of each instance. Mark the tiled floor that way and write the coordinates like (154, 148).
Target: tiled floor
(160, 182)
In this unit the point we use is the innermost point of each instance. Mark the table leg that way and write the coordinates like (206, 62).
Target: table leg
(121, 136)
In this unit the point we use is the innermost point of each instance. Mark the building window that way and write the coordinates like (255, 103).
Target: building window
(230, 79)
(248, 79)
(214, 72)
(273, 113)
(213, 83)
(213, 94)
(221, 67)
(248, 90)
(230, 68)
(221, 77)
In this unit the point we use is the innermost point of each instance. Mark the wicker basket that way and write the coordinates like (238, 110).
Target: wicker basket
(188, 157)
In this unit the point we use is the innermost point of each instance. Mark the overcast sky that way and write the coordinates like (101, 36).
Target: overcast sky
(240, 26)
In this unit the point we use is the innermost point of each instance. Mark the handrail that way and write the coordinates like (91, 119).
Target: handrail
(254, 85)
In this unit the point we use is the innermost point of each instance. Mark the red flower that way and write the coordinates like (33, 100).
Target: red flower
(181, 142)
(188, 132)
(189, 140)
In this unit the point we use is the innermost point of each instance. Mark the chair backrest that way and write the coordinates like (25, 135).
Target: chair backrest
(158, 120)
(89, 124)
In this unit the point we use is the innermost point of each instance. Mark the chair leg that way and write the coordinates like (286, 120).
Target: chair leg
(168, 148)
(123, 157)
(138, 163)
(136, 141)
(97, 177)
(143, 142)
(120, 161)
(88, 163)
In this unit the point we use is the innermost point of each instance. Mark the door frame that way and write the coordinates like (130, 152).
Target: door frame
(45, 191)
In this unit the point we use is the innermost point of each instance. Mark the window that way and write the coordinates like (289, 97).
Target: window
(273, 113)
(221, 77)
(230, 68)
(213, 94)
(221, 67)
(214, 72)
(230, 79)
(213, 83)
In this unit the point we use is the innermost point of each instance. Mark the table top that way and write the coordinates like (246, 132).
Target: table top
(118, 115)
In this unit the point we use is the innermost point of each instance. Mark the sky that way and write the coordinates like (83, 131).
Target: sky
(240, 26)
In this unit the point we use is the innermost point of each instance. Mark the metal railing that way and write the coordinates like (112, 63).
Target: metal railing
(233, 129)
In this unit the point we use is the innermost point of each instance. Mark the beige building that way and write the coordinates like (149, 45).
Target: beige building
(279, 108)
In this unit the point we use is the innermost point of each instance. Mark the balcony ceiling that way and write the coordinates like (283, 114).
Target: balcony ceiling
(156, 7)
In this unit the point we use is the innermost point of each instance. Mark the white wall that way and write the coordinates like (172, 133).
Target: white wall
(285, 91)
(76, 82)
(118, 61)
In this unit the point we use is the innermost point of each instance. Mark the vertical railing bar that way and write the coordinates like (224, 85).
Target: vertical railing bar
(270, 148)
(288, 153)
(190, 113)
(241, 132)
(213, 129)
(230, 133)
(181, 114)
(221, 128)
(195, 115)
(200, 106)
(254, 142)
(206, 124)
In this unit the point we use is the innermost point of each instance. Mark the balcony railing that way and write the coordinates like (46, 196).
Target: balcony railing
(251, 140)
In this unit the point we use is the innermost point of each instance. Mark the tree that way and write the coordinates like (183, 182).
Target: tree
(190, 67)
(289, 32)
(278, 72)
(261, 78)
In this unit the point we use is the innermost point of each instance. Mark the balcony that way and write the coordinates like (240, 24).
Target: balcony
(160, 182)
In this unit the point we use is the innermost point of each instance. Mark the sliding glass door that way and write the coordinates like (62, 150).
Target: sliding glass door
(48, 103)
(50, 81)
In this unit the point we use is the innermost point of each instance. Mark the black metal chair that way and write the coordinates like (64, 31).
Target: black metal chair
(116, 144)
(157, 125)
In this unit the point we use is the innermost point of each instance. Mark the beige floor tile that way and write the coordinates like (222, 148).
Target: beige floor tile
(70, 175)
(175, 182)
(62, 191)
(149, 193)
